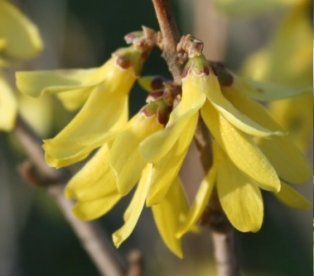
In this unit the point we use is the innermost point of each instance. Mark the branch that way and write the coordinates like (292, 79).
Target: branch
(170, 37)
(93, 239)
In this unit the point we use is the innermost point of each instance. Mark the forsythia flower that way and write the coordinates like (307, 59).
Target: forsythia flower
(285, 64)
(19, 38)
(105, 110)
(254, 146)
(119, 165)
(250, 150)
(241, 165)
(238, 194)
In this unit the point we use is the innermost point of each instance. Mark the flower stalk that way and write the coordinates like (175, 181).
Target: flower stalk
(170, 37)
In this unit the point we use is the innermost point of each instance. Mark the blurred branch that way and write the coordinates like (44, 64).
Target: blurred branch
(222, 232)
(135, 263)
(93, 239)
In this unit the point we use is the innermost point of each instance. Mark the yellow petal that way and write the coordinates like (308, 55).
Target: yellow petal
(200, 201)
(291, 50)
(21, 36)
(292, 198)
(156, 146)
(193, 97)
(125, 159)
(167, 216)
(75, 98)
(253, 110)
(93, 187)
(288, 58)
(92, 209)
(240, 198)
(202, 196)
(288, 161)
(94, 180)
(231, 113)
(296, 116)
(66, 152)
(8, 106)
(134, 212)
(39, 113)
(74, 86)
(165, 171)
(248, 8)
(89, 129)
(59, 163)
(39, 83)
(267, 91)
(241, 149)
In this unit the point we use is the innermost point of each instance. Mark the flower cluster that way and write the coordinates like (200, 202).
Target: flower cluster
(250, 150)
(19, 39)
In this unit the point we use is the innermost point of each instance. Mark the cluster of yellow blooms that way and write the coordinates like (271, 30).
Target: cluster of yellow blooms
(250, 150)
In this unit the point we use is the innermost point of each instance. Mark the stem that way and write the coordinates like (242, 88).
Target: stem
(93, 239)
(170, 37)
(222, 232)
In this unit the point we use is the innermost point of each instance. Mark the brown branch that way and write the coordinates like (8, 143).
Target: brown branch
(135, 261)
(170, 37)
(93, 239)
(224, 254)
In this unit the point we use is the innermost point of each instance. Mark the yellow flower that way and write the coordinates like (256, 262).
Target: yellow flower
(253, 142)
(250, 153)
(106, 109)
(287, 62)
(115, 170)
(19, 37)
(239, 195)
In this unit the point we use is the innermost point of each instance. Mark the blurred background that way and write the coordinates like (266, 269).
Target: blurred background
(35, 238)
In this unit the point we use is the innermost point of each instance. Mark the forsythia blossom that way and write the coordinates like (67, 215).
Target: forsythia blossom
(106, 89)
(251, 145)
(250, 150)
(287, 62)
(19, 39)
